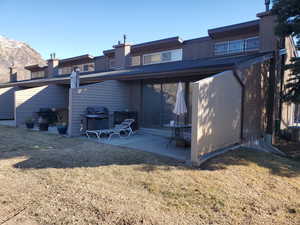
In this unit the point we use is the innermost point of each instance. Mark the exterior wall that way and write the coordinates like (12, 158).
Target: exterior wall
(198, 48)
(216, 114)
(255, 80)
(288, 109)
(112, 94)
(266, 32)
(100, 63)
(236, 37)
(7, 103)
(136, 98)
(29, 101)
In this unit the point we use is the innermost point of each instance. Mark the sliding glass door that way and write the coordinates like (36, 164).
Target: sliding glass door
(158, 103)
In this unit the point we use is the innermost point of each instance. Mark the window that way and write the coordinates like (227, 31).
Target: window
(135, 61)
(252, 44)
(85, 68)
(221, 48)
(65, 70)
(37, 74)
(111, 64)
(162, 57)
(236, 46)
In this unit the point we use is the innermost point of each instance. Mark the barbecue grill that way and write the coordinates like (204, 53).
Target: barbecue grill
(97, 113)
(48, 114)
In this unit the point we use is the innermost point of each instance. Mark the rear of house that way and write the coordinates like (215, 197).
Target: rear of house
(226, 78)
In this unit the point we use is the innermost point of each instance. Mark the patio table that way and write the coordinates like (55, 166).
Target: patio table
(177, 130)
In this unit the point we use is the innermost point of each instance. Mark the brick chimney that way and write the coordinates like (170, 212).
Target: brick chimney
(12, 74)
(122, 52)
(52, 65)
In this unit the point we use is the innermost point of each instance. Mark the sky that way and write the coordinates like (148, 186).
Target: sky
(76, 27)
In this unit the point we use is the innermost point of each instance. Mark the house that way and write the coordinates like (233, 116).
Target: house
(228, 78)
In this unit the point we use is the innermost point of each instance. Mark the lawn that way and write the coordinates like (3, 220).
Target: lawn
(48, 179)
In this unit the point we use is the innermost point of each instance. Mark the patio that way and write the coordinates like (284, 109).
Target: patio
(9, 123)
(148, 142)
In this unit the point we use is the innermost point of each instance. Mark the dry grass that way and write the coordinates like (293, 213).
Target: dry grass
(47, 179)
(291, 148)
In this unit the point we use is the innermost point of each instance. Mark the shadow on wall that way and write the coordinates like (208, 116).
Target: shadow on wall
(7, 103)
(255, 79)
(30, 100)
(217, 104)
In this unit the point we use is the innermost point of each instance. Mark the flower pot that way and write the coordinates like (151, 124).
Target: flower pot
(29, 125)
(43, 126)
(62, 129)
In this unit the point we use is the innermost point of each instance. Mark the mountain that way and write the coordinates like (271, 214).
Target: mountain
(18, 53)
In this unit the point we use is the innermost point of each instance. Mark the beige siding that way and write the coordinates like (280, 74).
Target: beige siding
(287, 114)
(255, 79)
(112, 94)
(216, 114)
(30, 100)
(7, 100)
(266, 33)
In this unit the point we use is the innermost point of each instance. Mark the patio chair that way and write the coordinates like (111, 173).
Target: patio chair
(123, 127)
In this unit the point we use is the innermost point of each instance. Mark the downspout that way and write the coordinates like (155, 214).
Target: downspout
(243, 100)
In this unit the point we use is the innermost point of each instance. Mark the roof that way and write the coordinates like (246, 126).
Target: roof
(153, 45)
(240, 27)
(201, 67)
(35, 67)
(176, 39)
(76, 58)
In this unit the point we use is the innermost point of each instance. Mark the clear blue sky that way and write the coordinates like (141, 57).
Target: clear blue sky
(76, 27)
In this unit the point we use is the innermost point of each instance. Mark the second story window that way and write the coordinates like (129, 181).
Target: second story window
(252, 44)
(135, 60)
(85, 68)
(82, 67)
(221, 48)
(236, 46)
(112, 64)
(37, 74)
(162, 57)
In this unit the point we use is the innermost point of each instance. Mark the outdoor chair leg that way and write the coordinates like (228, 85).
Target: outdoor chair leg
(113, 134)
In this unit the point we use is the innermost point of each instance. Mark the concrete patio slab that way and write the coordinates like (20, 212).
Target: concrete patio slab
(150, 143)
(10, 123)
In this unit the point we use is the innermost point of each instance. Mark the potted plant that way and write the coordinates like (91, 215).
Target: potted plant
(62, 127)
(29, 123)
(43, 124)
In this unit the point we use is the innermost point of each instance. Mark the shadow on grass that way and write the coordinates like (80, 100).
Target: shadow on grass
(40, 151)
(277, 165)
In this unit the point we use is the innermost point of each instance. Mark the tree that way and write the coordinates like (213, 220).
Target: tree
(288, 18)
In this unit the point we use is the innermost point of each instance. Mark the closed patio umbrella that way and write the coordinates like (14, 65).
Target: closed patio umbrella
(180, 106)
